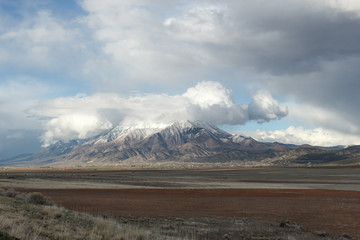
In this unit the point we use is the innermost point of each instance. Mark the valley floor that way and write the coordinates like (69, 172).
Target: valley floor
(318, 199)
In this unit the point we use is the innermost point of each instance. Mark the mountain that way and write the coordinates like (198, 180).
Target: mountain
(185, 141)
(178, 143)
(317, 156)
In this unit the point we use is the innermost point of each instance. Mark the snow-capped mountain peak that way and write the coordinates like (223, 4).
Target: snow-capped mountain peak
(179, 141)
(186, 125)
(120, 132)
(175, 129)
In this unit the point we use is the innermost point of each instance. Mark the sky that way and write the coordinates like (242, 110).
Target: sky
(281, 70)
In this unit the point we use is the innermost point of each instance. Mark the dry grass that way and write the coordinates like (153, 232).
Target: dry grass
(24, 217)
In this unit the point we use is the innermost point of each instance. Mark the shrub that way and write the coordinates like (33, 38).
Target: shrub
(36, 198)
(11, 193)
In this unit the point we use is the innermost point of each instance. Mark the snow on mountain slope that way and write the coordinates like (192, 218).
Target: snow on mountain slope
(183, 132)
(119, 133)
(241, 139)
(186, 126)
(212, 128)
(175, 130)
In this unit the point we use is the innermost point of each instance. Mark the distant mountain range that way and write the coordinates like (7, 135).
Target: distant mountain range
(180, 143)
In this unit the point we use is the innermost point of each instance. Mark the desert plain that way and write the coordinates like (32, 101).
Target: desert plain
(325, 200)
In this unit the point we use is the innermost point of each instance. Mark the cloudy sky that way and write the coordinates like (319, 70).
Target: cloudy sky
(280, 70)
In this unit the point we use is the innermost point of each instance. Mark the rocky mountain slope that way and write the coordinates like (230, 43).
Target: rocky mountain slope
(181, 142)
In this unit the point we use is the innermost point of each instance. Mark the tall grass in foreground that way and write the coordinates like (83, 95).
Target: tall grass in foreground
(31, 217)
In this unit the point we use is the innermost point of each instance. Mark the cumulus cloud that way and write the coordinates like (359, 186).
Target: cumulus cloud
(300, 135)
(264, 108)
(206, 94)
(73, 126)
(85, 116)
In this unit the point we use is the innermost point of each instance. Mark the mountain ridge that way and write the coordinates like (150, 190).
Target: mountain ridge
(179, 142)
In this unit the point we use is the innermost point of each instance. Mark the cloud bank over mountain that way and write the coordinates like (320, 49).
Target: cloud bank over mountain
(85, 116)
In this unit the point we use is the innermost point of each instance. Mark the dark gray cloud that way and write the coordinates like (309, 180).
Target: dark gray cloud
(307, 51)
(278, 37)
(334, 89)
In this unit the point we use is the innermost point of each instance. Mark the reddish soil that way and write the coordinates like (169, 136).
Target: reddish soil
(333, 211)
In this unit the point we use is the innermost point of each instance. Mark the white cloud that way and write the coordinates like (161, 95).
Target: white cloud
(299, 135)
(73, 126)
(206, 94)
(264, 108)
(84, 116)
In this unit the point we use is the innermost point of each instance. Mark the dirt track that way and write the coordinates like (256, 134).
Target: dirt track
(333, 211)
